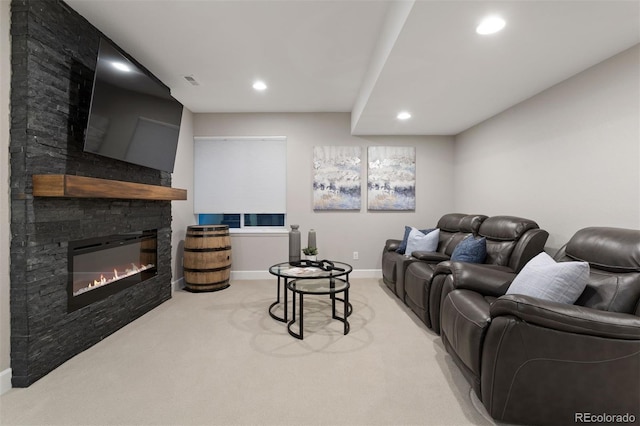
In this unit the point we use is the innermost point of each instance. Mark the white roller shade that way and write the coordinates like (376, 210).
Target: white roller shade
(240, 175)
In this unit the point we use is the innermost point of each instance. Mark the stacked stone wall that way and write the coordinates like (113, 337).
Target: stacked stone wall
(54, 52)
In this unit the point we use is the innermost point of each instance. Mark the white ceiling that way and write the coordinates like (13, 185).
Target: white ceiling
(370, 58)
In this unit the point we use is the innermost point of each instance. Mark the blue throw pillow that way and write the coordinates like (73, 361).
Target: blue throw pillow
(470, 250)
(407, 229)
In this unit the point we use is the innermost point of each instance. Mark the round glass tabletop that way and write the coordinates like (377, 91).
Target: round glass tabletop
(286, 270)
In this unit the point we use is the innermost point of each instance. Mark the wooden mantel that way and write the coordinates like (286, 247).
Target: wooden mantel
(87, 187)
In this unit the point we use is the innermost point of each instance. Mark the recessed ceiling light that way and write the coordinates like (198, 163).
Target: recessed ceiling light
(259, 85)
(404, 115)
(490, 25)
(121, 66)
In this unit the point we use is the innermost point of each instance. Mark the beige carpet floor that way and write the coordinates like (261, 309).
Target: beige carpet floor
(220, 359)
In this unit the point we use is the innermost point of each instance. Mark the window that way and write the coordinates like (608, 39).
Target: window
(233, 220)
(240, 181)
(237, 220)
(264, 220)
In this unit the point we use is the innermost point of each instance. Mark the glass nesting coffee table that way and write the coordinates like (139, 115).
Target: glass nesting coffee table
(319, 278)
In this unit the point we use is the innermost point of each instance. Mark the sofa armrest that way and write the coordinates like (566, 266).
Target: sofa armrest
(530, 245)
(488, 280)
(392, 245)
(568, 318)
(430, 256)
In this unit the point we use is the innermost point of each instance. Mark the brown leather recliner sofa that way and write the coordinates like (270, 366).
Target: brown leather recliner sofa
(510, 243)
(454, 227)
(533, 361)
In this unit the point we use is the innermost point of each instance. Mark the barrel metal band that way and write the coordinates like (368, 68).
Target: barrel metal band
(205, 250)
(226, 234)
(196, 285)
(207, 270)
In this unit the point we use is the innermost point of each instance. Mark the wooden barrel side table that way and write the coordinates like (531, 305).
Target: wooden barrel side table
(207, 258)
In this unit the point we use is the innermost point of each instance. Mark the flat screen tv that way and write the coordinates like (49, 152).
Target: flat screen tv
(132, 117)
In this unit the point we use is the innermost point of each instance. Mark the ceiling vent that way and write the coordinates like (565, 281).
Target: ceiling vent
(191, 80)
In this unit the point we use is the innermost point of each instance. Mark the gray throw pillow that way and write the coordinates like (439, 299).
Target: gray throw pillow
(544, 278)
(418, 241)
(403, 244)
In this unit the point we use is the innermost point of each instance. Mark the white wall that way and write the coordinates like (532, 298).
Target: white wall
(339, 233)
(5, 228)
(567, 158)
(182, 211)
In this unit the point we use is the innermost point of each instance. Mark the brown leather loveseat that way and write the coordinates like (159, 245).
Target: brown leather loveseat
(510, 243)
(454, 227)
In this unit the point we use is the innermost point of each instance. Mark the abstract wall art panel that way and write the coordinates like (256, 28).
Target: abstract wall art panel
(391, 181)
(336, 177)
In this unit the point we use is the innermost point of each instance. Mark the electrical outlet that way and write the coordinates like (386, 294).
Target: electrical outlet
(355, 255)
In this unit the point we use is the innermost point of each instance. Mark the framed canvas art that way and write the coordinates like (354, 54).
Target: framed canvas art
(337, 177)
(391, 178)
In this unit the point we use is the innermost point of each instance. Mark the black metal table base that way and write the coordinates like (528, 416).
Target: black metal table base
(346, 310)
(277, 302)
(325, 269)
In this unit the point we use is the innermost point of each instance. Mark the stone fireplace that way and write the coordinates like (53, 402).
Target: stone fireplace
(55, 312)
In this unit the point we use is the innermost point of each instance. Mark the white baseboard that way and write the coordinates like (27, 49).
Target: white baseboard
(366, 273)
(5, 381)
(262, 275)
(177, 285)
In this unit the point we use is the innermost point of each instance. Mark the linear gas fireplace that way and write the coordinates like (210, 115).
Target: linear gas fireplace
(100, 267)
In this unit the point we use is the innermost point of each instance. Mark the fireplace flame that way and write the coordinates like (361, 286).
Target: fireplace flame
(102, 281)
(134, 269)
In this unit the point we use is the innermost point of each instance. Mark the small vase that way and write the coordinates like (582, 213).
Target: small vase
(311, 239)
(294, 244)
(311, 257)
